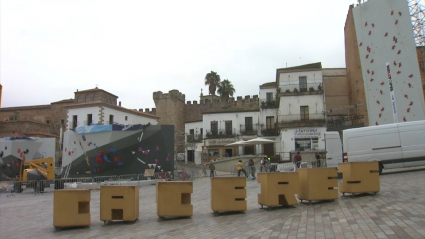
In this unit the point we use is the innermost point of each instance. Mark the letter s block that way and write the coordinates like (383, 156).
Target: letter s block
(173, 199)
(119, 203)
(318, 184)
(278, 188)
(359, 177)
(228, 194)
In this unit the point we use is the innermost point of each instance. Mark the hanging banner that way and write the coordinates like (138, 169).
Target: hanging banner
(390, 84)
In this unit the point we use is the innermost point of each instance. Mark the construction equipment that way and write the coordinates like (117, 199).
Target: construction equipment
(33, 173)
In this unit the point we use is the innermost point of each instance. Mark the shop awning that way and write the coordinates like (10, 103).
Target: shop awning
(237, 143)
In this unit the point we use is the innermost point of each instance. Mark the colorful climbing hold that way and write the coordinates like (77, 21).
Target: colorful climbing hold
(99, 159)
(102, 152)
(116, 159)
(113, 150)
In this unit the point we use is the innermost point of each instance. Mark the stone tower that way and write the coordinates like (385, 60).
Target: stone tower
(170, 107)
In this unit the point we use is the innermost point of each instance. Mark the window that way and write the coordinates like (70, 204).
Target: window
(87, 98)
(302, 144)
(214, 128)
(303, 83)
(80, 99)
(89, 119)
(109, 100)
(111, 119)
(213, 152)
(248, 123)
(47, 121)
(191, 131)
(126, 118)
(270, 122)
(104, 98)
(304, 112)
(202, 131)
(95, 97)
(228, 127)
(74, 122)
(62, 122)
(269, 96)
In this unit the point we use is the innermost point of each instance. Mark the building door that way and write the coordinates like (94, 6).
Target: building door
(191, 156)
(249, 150)
(228, 152)
(89, 119)
(74, 122)
(269, 149)
(111, 119)
(304, 113)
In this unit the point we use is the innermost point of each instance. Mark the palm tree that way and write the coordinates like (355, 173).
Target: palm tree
(213, 80)
(226, 89)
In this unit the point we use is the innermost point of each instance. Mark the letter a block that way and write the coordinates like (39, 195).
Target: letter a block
(71, 208)
(278, 188)
(173, 199)
(228, 194)
(317, 184)
(359, 177)
(119, 203)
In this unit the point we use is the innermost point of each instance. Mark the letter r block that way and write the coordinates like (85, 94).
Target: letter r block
(317, 184)
(71, 208)
(173, 199)
(359, 177)
(228, 194)
(119, 203)
(278, 188)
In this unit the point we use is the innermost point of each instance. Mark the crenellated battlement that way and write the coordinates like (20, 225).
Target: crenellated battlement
(172, 94)
(152, 111)
(231, 101)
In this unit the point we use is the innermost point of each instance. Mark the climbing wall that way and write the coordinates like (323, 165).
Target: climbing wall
(384, 34)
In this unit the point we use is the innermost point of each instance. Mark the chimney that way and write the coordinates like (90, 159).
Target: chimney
(119, 103)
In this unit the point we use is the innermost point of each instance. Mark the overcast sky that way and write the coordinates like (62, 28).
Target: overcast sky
(49, 49)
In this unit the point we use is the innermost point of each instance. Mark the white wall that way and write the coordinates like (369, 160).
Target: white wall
(119, 117)
(196, 126)
(290, 105)
(314, 78)
(82, 115)
(409, 99)
(237, 118)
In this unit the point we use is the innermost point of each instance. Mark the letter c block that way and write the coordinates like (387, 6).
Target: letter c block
(359, 177)
(317, 184)
(173, 199)
(228, 194)
(278, 188)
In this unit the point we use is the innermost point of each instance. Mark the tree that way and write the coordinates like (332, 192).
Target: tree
(213, 80)
(226, 89)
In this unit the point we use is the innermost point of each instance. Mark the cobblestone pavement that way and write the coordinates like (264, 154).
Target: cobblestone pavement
(398, 211)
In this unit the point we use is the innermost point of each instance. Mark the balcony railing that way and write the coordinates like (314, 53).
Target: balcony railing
(221, 133)
(249, 129)
(316, 119)
(269, 130)
(312, 88)
(192, 138)
(269, 103)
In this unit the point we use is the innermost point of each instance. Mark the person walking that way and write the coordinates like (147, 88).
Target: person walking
(252, 168)
(297, 159)
(240, 169)
(212, 170)
(317, 160)
(263, 165)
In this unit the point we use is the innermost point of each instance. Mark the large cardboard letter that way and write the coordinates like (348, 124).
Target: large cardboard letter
(278, 188)
(119, 203)
(228, 194)
(173, 199)
(318, 184)
(71, 208)
(359, 177)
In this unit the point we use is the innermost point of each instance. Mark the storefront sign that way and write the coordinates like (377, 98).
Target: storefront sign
(307, 133)
(214, 142)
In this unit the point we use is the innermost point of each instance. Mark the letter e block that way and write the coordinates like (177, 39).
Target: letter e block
(119, 203)
(317, 184)
(228, 194)
(359, 177)
(278, 188)
(71, 208)
(173, 199)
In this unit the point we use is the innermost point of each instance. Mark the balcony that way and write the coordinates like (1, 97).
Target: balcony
(306, 89)
(269, 104)
(191, 138)
(269, 130)
(221, 133)
(249, 130)
(298, 120)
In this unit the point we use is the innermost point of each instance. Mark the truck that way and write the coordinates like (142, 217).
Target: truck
(394, 145)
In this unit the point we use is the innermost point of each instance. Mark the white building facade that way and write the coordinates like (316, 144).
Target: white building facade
(301, 114)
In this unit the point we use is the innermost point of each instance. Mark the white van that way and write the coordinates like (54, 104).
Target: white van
(393, 145)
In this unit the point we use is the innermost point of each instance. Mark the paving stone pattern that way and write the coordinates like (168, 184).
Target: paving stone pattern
(398, 211)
